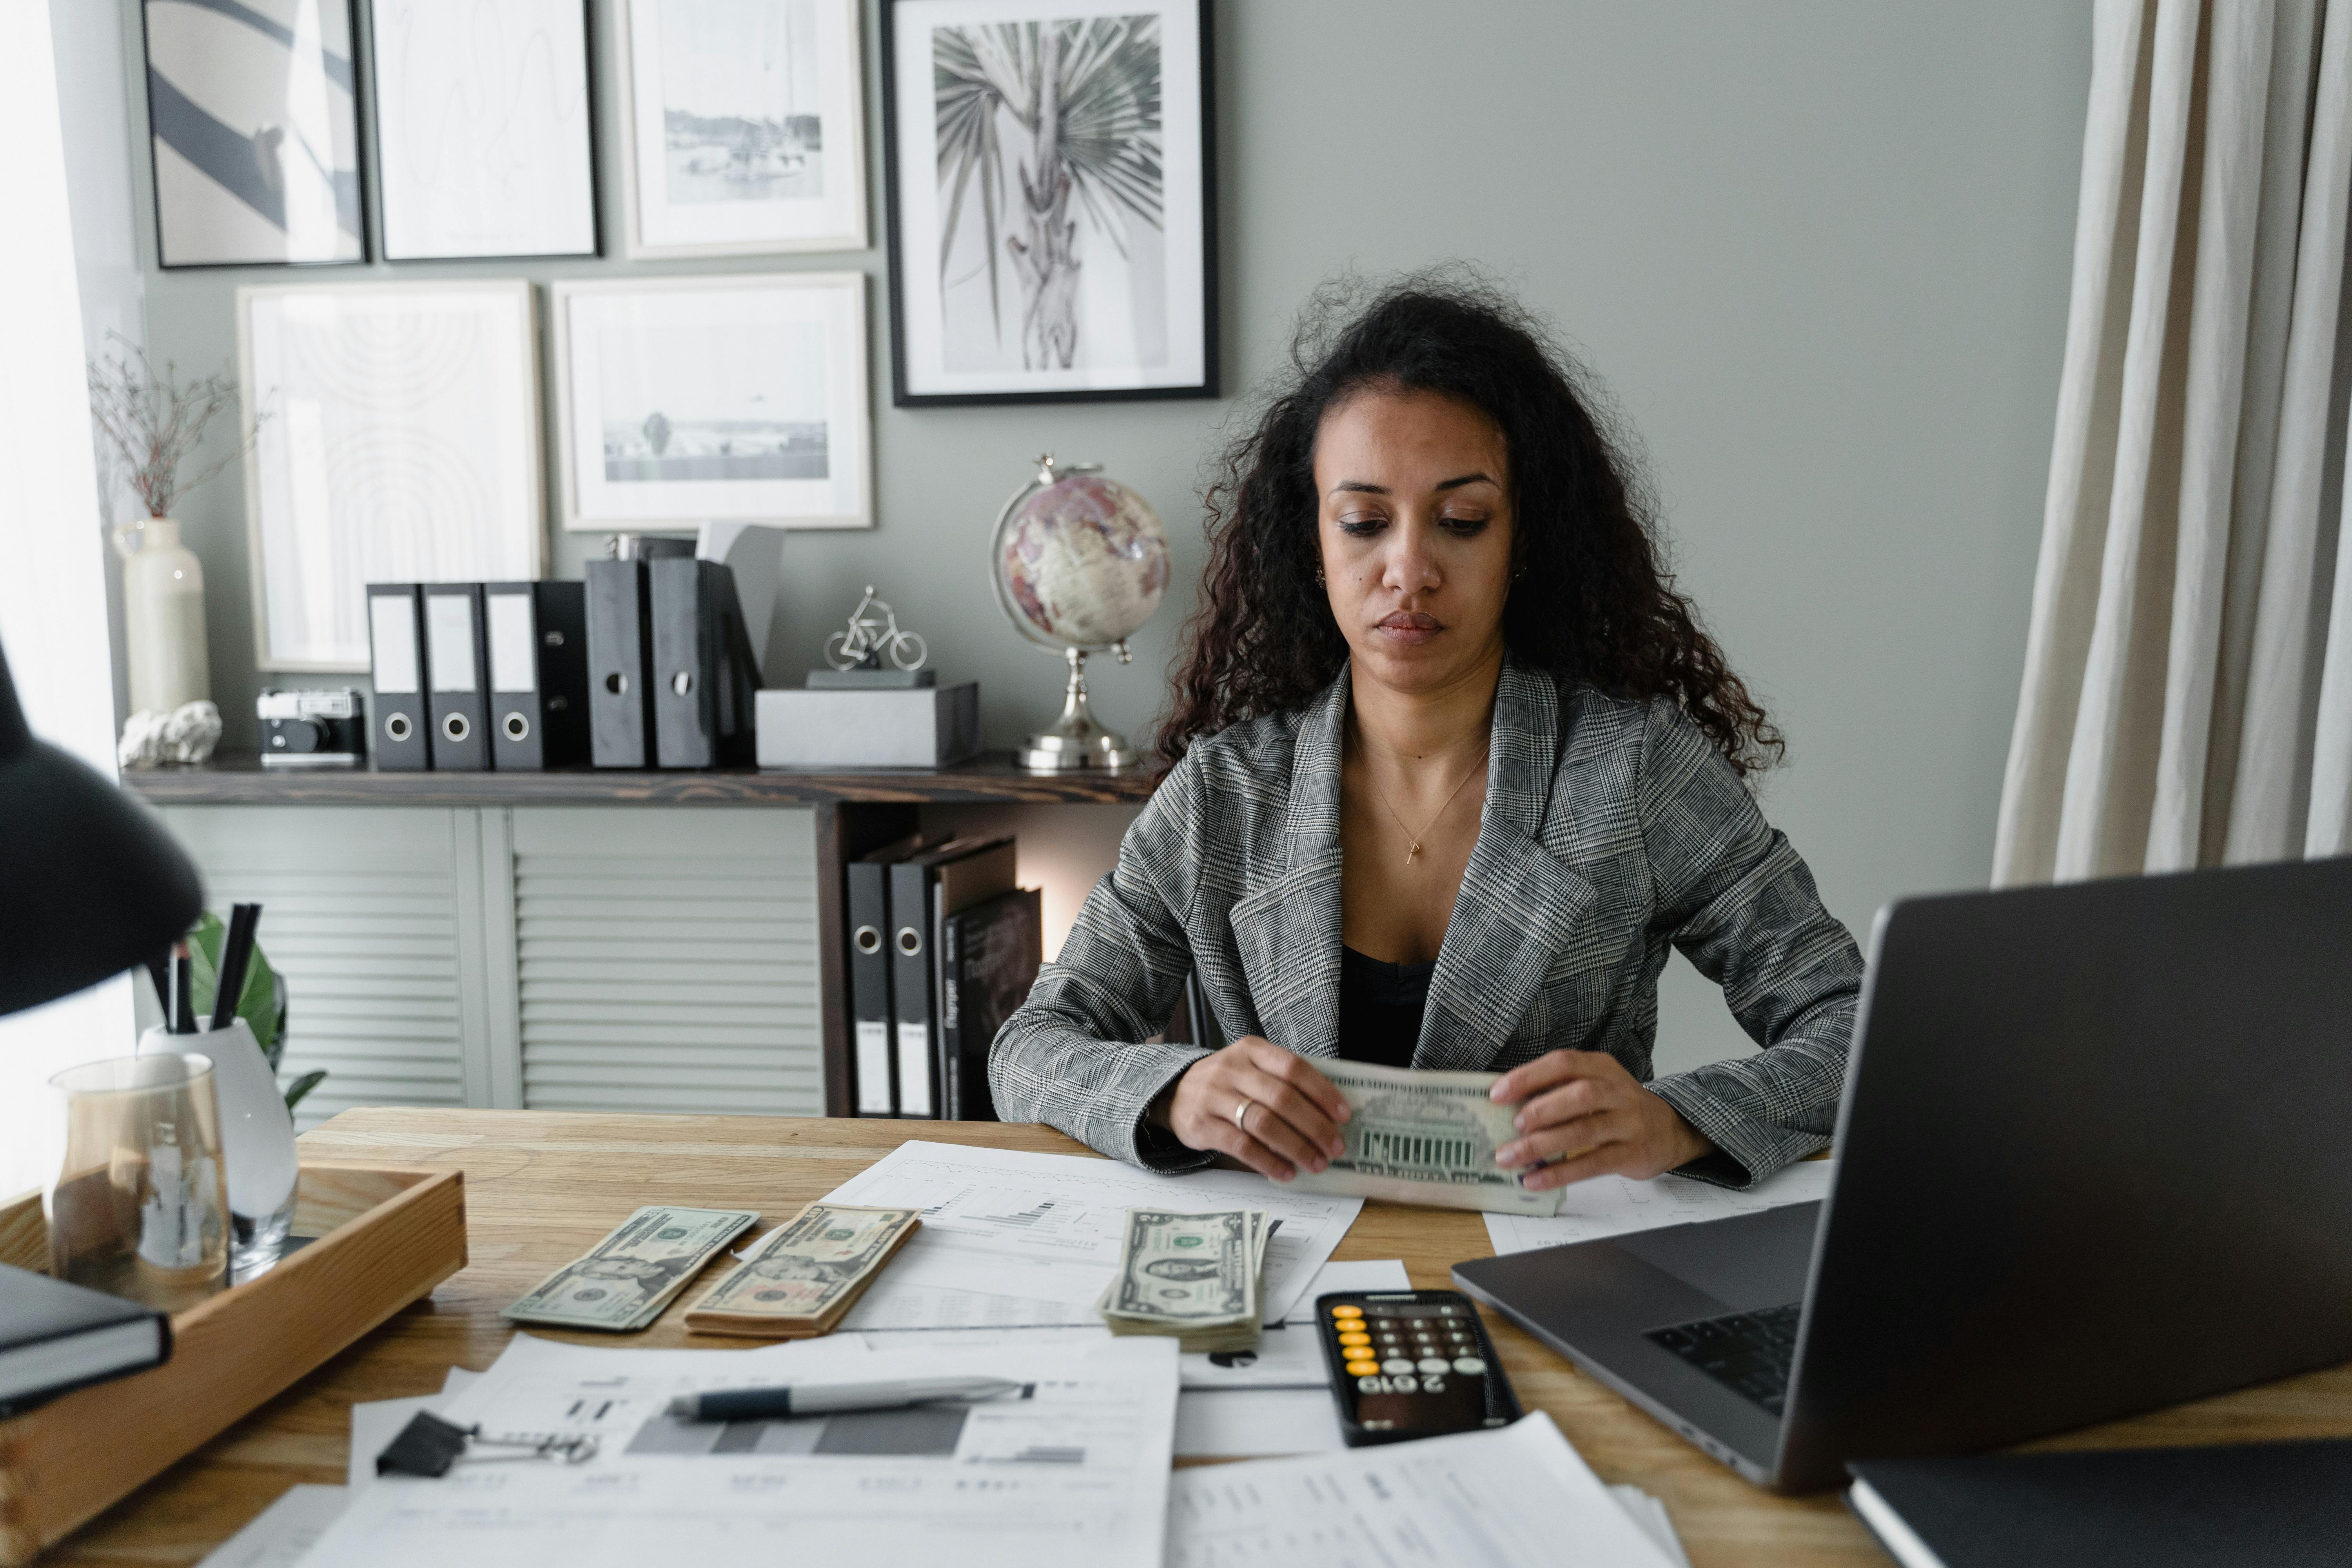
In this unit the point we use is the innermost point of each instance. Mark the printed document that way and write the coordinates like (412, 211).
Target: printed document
(1516, 1497)
(1273, 1399)
(1615, 1206)
(1074, 1468)
(283, 1534)
(1048, 1227)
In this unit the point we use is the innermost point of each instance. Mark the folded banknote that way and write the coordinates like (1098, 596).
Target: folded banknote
(1423, 1138)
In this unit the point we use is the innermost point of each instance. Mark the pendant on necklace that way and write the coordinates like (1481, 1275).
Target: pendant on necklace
(1408, 853)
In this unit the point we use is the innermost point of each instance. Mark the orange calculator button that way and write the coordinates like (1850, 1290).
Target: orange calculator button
(1347, 1311)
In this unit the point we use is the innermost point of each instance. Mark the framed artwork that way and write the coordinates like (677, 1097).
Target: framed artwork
(254, 135)
(746, 127)
(482, 128)
(399, 443)
(725, 398)
(1050, 177)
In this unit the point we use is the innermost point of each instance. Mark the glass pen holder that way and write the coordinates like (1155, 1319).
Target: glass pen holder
(256, 1138)
(140, 1207)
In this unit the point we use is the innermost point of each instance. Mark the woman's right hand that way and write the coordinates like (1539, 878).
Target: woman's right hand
(1262, 1105)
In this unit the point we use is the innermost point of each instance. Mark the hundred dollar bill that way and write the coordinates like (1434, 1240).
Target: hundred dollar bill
(797, 1281)
(1196, 1278)
(1423, 1138)
(627, 1278)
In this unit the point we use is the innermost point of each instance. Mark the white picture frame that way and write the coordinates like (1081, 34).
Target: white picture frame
(483, 128)
(253, 128)
(681, 401)
(1109, 290)
(745, 125)
(398, 442)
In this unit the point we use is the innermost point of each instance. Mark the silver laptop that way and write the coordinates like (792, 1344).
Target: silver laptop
(2094, 1156)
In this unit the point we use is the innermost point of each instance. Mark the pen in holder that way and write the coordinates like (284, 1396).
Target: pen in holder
(256, 1137)
(137, 1208)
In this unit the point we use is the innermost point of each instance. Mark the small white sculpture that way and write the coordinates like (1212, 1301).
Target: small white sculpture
(186, 734)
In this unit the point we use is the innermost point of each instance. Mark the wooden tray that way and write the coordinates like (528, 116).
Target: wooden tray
(385, 1238)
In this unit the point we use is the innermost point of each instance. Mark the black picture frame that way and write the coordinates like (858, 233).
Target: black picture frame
(373, 145)
(207, 136)
(1207, 386)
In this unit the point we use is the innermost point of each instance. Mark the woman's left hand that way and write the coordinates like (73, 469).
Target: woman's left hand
(1585, 1111)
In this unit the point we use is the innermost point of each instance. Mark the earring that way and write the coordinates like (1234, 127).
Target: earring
(1516, 575)
(1319, 575)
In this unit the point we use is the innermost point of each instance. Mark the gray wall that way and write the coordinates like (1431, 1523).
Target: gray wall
(1817, 251)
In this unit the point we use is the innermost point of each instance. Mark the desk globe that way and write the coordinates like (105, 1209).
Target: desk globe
(1080, 562)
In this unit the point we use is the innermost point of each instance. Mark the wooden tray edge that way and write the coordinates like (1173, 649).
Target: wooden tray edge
(63, 1464)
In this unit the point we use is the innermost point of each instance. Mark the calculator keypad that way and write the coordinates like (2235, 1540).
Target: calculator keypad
(1416, 1364)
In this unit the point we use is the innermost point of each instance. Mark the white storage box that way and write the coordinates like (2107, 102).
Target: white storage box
(928, 726)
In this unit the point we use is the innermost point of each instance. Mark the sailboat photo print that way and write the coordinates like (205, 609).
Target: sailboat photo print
(746, 127)
(1050, 172)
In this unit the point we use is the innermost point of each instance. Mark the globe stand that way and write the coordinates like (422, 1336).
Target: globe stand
(1075, 741)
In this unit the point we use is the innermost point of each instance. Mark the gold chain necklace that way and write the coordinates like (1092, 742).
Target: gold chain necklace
(1413, 840)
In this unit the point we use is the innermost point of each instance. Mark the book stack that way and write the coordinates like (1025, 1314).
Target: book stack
(943, 948)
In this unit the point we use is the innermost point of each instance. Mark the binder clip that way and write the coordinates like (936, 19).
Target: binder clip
(428, 1446)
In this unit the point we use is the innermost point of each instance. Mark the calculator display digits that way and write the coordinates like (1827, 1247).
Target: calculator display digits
(1411, 1364)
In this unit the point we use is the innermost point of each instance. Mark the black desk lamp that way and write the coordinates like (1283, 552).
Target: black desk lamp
(90, 883)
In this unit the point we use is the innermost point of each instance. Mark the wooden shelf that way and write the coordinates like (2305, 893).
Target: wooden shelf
(855, 813)
(243, 780)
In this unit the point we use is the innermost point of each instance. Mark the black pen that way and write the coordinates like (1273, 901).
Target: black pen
(237, 957)
(825, 1399)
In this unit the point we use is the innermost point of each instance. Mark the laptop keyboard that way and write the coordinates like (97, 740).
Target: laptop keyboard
(1749, 1353)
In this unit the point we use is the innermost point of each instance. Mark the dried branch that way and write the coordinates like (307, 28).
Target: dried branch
(154, 424)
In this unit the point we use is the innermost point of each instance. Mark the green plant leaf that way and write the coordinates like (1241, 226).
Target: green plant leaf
(303, 1085)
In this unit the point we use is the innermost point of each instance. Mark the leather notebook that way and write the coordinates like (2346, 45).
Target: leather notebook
(2280, 1505)
(55, 1337)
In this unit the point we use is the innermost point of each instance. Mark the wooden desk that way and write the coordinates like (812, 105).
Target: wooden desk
(541, 1187)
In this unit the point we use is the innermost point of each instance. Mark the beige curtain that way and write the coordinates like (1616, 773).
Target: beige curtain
(2188, 692)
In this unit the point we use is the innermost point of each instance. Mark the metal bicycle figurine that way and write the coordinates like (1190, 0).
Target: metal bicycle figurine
(874, 632)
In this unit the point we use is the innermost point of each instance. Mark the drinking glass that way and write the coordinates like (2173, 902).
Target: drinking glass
(140, 1207)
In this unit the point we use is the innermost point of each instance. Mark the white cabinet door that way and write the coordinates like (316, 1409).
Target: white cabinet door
(666, 958)
(374, 917)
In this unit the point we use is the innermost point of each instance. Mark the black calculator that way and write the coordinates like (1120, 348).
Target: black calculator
(1410, 1363)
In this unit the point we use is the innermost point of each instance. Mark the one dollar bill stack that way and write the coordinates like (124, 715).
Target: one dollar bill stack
(1423, 1138)
(631, 1275)
(1199, 1279)
(798, 1280)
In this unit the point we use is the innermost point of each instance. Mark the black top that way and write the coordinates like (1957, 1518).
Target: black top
(1379, 1008)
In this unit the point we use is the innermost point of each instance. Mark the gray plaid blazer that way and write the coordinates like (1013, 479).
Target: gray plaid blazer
(1611, 828)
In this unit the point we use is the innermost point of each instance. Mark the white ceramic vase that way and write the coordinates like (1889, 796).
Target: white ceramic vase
(256, 1137)
(163, 617)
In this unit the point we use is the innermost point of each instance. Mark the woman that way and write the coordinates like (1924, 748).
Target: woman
(1452, 766)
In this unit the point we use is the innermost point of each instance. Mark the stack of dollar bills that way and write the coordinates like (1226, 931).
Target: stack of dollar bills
(798, 1280)
(627, 1278)
(1199, 1279)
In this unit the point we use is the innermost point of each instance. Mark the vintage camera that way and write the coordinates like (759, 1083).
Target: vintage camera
(312, 729)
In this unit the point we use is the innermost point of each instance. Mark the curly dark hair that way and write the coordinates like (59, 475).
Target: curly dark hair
(1596, 603)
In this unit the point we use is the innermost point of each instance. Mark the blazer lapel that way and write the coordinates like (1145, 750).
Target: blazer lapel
(1518, 903)
(1287, 928)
